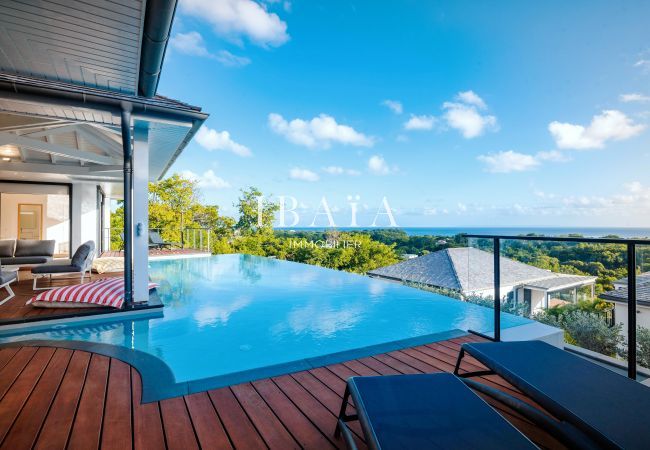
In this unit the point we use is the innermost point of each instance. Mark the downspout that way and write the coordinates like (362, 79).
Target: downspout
(157, 29)
(127, 149)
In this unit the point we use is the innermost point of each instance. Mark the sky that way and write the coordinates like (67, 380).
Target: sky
(446, 113)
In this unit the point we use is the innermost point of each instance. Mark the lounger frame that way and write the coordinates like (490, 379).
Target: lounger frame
(10, 291)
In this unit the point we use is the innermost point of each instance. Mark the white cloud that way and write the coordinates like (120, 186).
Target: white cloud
(237, 18)
(462, 207)
(337, 170)
(394, 106)
(228, 59)
(209, 180)
(471, 98)
(508, 161)
(303, 174)
(320, 131)
(190, 43)
(423, 122)
(467, 119)
(634, 97)
(211, 139)
(644, 64)
(378, 166)
(610, 125)
(552, 156)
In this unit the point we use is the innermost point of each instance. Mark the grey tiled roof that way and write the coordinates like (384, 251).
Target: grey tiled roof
(465, 269)
(561, 281)
(642, 290)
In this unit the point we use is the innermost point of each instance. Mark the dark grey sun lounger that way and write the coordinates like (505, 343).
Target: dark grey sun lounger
(428, 411)
(609, 408)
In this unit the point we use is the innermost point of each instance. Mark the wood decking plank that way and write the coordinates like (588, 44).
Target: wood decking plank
(208, 426)
(87, 427)
(179, 432)
(14, 368)
(267, 423)
(302, 430)
(93, 401)
(147, 423)
(28, 423)
(116, 427)
(240, 429)
(6, 354)
(57, 425)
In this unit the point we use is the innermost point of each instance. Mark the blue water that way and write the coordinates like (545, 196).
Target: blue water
(228, 313)
(623, 232)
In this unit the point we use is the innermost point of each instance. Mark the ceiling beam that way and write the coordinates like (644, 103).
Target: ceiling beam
(89, 132)
(54, 149)
(59, 169)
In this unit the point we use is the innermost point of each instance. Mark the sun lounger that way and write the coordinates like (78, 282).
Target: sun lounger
(156, 241)
(6, 278)
(608, 407)
(80, 263)
(424, 411)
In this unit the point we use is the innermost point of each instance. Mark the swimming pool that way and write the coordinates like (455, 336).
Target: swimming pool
(233, 314)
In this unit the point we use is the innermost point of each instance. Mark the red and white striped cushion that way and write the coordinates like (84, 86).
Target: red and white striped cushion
(103, 292)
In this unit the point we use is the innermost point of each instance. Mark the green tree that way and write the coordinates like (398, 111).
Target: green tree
(256, 214)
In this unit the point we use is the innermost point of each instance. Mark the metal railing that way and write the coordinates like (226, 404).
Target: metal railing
(189, 238)
(631, 246)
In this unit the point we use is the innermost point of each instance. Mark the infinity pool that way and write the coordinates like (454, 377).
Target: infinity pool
(232, 313)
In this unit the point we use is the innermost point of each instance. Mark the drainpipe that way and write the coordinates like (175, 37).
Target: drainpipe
(127, 149)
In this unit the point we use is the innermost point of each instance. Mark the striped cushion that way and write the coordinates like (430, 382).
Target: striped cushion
(103, 292)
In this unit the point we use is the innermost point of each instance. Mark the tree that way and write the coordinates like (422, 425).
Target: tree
(256, 214)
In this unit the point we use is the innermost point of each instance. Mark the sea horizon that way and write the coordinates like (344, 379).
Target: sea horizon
(592, 232)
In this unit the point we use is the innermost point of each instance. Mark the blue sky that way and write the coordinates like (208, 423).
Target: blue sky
(458, 113)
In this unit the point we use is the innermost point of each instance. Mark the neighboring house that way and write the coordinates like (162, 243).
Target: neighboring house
(81, 122)
(469, 271)
(618, 296)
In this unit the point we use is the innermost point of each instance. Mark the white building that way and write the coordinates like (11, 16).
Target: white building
(470, 272)
(81, 122)
(618, 296)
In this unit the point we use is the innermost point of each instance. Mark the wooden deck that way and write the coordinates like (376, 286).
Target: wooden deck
(16, 308)
(59, 398)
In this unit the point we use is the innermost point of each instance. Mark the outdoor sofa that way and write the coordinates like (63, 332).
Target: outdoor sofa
(606, 407)
(80, 263)
(26, 252)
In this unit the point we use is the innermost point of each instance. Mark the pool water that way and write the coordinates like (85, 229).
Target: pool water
(231, 313)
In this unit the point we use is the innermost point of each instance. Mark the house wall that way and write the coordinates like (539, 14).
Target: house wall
(55, 205)
(642, 316)
(86, 209)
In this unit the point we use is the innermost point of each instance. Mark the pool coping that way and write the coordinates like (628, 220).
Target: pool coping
(159, 383)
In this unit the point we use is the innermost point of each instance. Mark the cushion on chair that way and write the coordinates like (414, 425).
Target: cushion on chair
(34, 247)
(83, 252)
(56, 268)
(19, 260)
(6, 277)
(7, 248)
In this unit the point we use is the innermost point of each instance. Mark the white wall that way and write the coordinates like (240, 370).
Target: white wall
(55, 223)
(642, 316)
(84, 206)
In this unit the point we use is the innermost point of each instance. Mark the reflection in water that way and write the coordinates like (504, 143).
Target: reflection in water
(319, 320)
(219, 313)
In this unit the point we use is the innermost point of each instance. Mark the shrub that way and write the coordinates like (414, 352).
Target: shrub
(587, 330)
(642, 347)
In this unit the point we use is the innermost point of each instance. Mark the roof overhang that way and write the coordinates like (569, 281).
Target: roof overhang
(79, 129)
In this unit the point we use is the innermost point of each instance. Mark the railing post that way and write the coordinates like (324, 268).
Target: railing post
(631, 311)
(497, 289)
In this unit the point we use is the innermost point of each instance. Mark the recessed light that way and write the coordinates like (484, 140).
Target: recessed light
(6, 159)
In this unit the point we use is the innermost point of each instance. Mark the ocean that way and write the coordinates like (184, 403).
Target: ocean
(623, 232)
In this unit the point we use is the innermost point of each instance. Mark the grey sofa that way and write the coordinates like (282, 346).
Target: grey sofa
(26, 252)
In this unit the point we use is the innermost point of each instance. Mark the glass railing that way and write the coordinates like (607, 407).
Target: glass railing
(189, 238)
(595, 290)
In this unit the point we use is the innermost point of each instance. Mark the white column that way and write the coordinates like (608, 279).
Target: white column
(140, 213)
